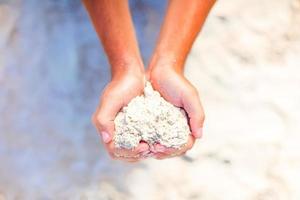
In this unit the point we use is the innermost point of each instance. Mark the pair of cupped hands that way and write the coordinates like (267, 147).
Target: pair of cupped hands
(129, 82)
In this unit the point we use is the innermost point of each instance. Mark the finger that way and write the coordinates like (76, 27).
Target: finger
(189, 145)
(158, 148)
(193, 107)
(161, 149)
(139, 150)
(127, 159)
(135, 152)
(105, 115)
(142, 147)
(172, 152)
(147, 154)
(161, 156)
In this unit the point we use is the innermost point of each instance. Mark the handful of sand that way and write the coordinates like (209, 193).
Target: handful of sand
(151, 119)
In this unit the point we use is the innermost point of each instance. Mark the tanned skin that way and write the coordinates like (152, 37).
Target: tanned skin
(113, 23)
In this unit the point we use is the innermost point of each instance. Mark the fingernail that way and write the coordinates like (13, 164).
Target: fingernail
(105, 137)
(160, 148)
(198, 133)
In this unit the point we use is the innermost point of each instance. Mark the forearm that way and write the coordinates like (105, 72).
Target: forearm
(112, 21)
(182, 23)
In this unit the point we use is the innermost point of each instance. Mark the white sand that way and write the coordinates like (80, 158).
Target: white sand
(245, 64)
(152, 119)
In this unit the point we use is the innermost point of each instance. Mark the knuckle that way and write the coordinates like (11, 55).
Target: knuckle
(101, 121)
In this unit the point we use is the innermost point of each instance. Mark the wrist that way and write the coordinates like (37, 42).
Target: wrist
(165, 62)
(126, 66)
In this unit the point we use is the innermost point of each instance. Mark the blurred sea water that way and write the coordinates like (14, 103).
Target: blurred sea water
(52, 71)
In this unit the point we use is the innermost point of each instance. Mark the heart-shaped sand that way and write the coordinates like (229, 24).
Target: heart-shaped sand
(151, 119)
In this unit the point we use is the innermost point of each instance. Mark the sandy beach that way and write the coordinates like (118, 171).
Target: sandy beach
(245, 64)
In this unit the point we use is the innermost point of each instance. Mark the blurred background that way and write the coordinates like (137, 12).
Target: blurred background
(245, 63)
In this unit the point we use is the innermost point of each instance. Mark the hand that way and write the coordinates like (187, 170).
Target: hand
(124, 86)
(176, 89)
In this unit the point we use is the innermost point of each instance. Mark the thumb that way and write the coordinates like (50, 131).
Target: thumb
(193, 107)
(105, 115)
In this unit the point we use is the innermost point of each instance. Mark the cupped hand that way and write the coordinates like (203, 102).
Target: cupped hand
(124, 86)
(176, 89)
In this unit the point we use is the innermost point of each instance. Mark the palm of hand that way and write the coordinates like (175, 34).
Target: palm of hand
(116, 95)
(176, 89)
